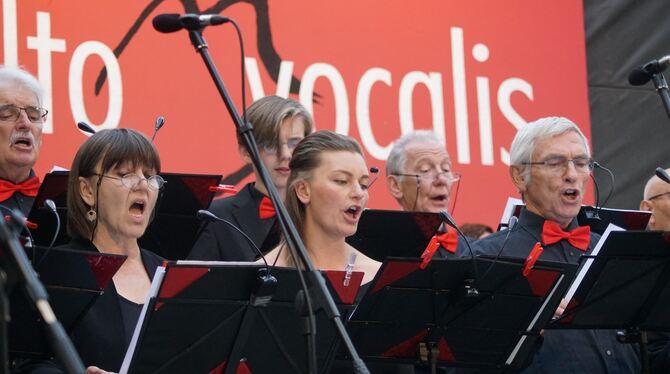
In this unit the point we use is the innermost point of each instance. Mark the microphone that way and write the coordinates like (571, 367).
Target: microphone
(644, 73)
(661, 173)
(18, 224)
(160, 121)
(204, 214)
(511, 225)
(375, 171)
(469, 283)
(85, 127)
(52, 208)
(172, 22)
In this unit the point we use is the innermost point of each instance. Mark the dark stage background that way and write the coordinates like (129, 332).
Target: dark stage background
(630, 129)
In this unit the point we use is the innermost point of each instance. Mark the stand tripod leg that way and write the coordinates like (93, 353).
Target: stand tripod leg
(644, 353)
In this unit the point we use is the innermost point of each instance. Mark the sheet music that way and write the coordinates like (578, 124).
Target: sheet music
(587, 264)
(153, 292)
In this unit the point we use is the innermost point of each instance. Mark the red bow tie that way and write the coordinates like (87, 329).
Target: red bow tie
(578, 238)
(266, 210)
(448, 241)
(28, 187)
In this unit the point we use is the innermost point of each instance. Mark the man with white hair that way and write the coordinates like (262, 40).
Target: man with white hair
(21, 121)
(550, 166)
(420, 177)
(656, 200)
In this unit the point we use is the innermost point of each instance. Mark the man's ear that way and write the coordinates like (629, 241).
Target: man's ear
(244, 155)
(518, 178)
(86, 191)
(302, 191)
(393, 185)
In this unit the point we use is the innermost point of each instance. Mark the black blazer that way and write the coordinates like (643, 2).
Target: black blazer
(220, 242)
(100, 337)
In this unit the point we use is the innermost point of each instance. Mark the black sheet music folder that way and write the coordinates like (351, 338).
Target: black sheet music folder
(408, 313)
(393, 233)
(627, 285)
(74, 280)
(172, 232)
(201, 312)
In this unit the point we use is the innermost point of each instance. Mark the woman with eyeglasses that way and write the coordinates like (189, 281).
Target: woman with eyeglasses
(278, 125)
(112, 192)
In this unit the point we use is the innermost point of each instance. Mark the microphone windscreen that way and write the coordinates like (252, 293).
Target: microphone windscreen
(167, 23)
(638, 77)
(661, 173)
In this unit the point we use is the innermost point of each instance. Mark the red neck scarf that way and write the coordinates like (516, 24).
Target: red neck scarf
(266, 210)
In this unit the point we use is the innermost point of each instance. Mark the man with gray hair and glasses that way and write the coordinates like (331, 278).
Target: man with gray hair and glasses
(21, 121)
(550, 166)
(419, 176)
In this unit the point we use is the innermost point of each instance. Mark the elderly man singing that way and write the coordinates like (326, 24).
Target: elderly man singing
(21, 121)
(550, 166)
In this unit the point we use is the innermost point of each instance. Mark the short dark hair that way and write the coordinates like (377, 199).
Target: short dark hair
(307, 157)
(267, 114)
(107, 148)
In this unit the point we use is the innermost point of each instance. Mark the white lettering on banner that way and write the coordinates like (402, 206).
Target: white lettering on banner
(369, 78)
(507, 87)
(432, 81)
(76, 74)
(9, 39)
(460, 96)
(254, 78)
(481, 53)
(44, 45)
(321, 69)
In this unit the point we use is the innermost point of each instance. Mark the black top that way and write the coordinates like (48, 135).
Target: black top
(102, 336)
(130, 313)
(563, 351)
(220, 242)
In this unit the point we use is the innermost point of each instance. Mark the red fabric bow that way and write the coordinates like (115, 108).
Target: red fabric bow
(28, 187)
(448, 241)
(578, 238)
(266, 210)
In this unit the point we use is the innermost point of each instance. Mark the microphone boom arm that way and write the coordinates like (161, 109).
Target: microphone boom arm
(293, 240)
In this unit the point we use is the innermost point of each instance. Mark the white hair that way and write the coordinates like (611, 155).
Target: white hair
(523, 145)
(395, 163)
(11, 77)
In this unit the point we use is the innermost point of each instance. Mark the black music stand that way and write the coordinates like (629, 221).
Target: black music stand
(205, 315)
(626, 286)
(394, 233)
(74, 280)
(425, 317)
(173, 230)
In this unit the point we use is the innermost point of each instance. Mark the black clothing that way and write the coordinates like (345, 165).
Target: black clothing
(220, 242)
(563, 351)
(130, 313)
(102, 336)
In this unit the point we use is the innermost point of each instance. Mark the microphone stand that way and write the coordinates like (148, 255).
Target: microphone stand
(36, 292)
(662, 89)
(318, 287)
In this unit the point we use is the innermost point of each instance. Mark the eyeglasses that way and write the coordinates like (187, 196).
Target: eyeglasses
(430, 176)
(559, 165)
(11, 112)
(659, 195)
(131, 180)
(271, 149)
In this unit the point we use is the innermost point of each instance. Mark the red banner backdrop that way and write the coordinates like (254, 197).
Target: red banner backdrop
(473, 71)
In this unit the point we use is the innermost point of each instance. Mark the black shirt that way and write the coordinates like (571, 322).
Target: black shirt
(563, 351)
